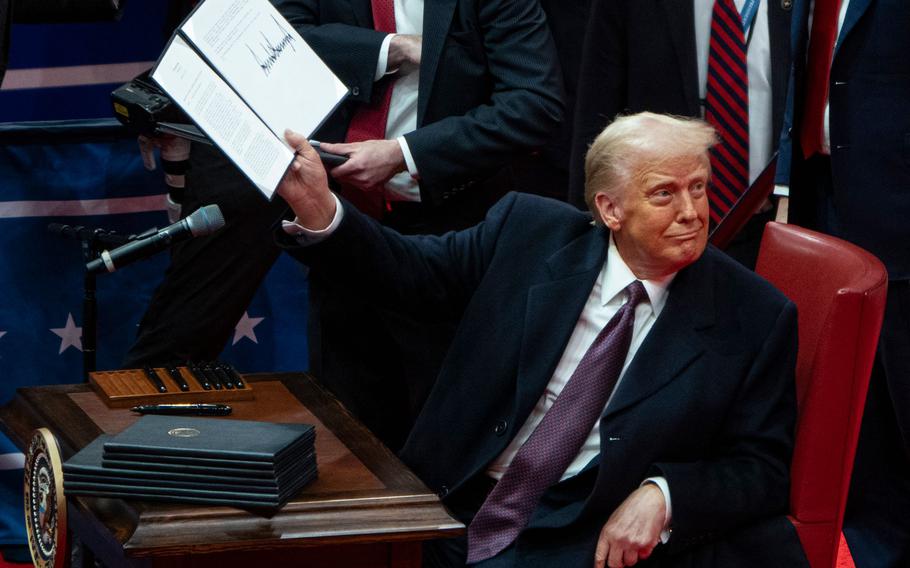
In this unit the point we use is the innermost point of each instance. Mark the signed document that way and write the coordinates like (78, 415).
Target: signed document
(244, 75)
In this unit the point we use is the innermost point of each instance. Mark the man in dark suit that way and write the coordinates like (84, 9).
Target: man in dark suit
(652, 55)
(475, 84)
(848, 124)
(697, 435)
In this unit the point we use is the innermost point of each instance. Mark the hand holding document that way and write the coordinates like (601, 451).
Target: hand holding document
(244, 76)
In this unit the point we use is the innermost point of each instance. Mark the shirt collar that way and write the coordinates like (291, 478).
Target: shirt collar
(616, 275)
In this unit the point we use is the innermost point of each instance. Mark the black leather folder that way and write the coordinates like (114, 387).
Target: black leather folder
(88, 465)
(199, 437)
(243, 468)
(84, 474)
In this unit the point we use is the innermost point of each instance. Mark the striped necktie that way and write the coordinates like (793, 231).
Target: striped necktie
(727, 108)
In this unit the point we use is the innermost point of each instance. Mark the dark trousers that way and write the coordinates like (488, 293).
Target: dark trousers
(877, 519)
(210, 280)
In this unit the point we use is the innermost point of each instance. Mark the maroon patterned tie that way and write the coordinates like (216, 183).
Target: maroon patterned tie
(727, 108)
(369, 122)
(556, 441)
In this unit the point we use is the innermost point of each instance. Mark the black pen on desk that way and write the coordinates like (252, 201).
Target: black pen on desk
(178, 378)
(222, 374)
(197, 409)
(201, 378)
(229, 369)
(155, 379)
(213, 376)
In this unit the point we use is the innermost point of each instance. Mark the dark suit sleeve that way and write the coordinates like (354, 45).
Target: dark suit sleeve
(523, 111)
(426, 275)
(601, 86)
(351, 51)
(748, 477)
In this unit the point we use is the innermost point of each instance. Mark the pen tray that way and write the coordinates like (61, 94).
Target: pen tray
(129, 387)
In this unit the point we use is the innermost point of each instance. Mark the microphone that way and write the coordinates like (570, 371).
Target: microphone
(204, 221)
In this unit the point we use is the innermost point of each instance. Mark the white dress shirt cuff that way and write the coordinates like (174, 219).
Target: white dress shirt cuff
(383, 60)
(661, 483)
(306, 236)
(782, 190)
(408, 158)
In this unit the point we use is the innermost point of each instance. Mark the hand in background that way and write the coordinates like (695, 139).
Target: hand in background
(370, 163)
(305, 186)
(633, 530)
(404, 53)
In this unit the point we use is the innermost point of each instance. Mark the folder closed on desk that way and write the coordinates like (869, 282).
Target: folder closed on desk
(197, 460)
(211, 438)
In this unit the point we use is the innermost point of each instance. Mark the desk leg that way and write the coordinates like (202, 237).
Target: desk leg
(97, 543)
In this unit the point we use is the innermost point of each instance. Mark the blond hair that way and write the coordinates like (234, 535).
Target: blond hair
(629, 142)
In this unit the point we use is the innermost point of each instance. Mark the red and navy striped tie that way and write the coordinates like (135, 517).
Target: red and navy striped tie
(727, 108)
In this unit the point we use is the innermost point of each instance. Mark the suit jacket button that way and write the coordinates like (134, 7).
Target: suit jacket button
(443, 491)
(500, 428)
(355, 91)
(786, 4)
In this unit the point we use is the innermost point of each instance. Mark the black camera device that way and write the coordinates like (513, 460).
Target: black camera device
(145, 109)
(141, 106)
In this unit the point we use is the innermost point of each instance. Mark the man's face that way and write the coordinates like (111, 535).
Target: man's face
(660, 219)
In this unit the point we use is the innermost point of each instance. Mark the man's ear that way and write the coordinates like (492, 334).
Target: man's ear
(609, 210)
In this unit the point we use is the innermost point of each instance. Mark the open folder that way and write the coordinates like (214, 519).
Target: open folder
(747, 205)
(242, 73)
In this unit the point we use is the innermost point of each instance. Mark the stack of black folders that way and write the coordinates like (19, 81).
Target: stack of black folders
(239, 463)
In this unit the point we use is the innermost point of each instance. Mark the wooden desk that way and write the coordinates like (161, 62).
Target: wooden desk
(365, 510)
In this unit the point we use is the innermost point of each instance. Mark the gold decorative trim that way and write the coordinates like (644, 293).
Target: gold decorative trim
(45, 503)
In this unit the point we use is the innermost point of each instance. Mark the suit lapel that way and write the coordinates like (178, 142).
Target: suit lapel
(673, 343)
(437, 18)
(553, 309)
(681, 23)
(779, 37)
(855, 11)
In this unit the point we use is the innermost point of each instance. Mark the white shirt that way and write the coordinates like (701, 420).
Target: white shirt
(758, 67)
(403, 107)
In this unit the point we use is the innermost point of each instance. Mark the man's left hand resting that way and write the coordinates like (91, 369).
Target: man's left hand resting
(633, 530)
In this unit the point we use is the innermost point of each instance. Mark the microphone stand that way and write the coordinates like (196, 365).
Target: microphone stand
(91, 248)
(92, 241)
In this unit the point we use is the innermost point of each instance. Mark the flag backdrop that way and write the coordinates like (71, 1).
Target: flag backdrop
(64, 160)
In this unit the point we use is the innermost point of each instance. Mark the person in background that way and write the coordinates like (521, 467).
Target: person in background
(724, 60)
(845, 156)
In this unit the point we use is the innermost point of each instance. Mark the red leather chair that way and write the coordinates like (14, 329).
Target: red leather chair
(839, 290)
